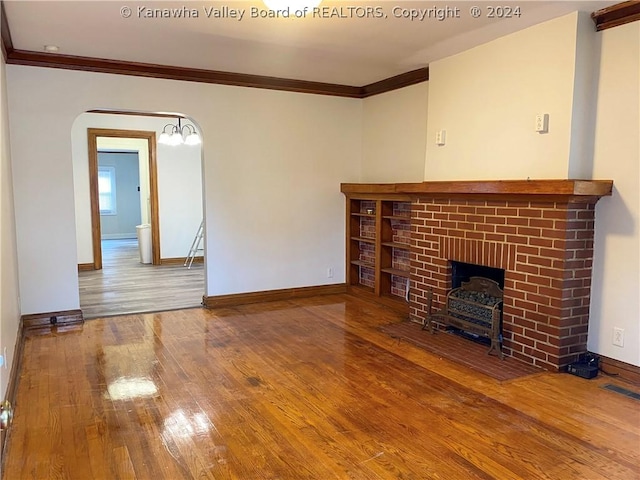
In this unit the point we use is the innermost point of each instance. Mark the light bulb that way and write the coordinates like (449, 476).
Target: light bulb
(164, 139)
(192, 139)
(175, 139)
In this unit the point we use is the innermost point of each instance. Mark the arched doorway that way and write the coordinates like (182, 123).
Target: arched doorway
(174, 199)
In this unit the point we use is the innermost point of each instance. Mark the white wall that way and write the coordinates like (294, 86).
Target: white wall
(394, 135)
(275, 216)
(616, 278)
(486, 99)
(180, 197)
(9, 293)
(179, 181)
(273, 162)
(585, 85)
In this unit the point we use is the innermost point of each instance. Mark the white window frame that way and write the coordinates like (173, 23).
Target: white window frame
(110, 172)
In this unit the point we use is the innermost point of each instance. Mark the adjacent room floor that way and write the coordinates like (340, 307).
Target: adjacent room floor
(124, 285)
(306, 389)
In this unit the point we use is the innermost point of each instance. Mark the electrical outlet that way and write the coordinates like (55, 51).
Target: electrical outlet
(330, 272)
(618, 336)
(441, 137)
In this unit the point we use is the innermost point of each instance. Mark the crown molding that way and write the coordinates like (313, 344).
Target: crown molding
(5, 33)
(89, 64)
(135, 113)
(616, 15)
(393, 83)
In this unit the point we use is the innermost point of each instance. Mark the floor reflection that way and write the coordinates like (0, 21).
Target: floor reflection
(130, 368)
(181, 425)
(130, 388)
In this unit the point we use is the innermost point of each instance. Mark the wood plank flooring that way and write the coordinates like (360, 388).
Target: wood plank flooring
(460, 350)
(125, 285)
(305, 389)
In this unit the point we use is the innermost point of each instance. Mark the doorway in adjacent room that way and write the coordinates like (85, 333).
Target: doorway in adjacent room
(145, 206)
(119, 201)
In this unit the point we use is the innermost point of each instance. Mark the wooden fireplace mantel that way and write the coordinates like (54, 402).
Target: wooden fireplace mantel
(543, 190)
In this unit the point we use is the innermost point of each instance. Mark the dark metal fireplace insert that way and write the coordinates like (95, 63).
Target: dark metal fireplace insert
(473, 307)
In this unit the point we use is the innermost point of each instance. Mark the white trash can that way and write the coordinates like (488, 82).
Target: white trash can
(144, 242)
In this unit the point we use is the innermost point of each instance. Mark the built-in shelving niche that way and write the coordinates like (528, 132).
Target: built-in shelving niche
(378, 252)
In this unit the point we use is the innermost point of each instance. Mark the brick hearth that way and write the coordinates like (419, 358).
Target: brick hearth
(546, 250)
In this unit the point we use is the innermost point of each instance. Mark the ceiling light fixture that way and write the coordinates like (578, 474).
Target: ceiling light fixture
(51, 48)
(179, 134)
(291, 4)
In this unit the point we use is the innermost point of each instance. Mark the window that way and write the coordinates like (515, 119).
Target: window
(107, 190)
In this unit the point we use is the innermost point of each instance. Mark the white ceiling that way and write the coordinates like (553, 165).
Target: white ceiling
(349, 51)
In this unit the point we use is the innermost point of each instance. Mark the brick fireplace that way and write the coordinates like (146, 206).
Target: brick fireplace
(541, 233)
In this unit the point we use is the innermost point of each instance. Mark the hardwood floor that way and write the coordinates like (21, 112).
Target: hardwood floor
(124, 285)
(306, 389)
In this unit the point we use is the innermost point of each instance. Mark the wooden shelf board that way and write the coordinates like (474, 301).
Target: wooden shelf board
(397, 272)
(360, 263)
(358, 214)
(400, 246)
(364, 239)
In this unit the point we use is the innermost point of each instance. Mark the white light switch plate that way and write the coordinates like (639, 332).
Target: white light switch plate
(542, 123)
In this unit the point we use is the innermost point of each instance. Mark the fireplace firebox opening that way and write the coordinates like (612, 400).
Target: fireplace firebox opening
(462, 272)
